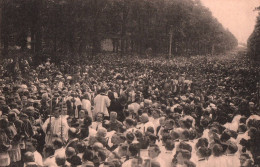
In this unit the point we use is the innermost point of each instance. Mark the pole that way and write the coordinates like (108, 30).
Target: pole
(170, 47)
(50, 133)
(258, 94)
(61, 132)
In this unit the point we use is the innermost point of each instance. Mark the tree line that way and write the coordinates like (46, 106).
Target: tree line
(253, 42)
(76, 27)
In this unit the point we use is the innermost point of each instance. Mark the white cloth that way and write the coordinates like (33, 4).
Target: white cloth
(218, 161)
(56, 125)
(234, 124)
(38, 158)
(133, 130)
(233, 160)
(156, 123)
(109, 136)
(60, 85)
(127, 163)
(92, 132)
(202, 163)
(50, 162)
(134, 106)
(167, 157)
(60, 151)
(101, 103)
(205, 134)
(96, 125)
(160, 160)
(86, 105)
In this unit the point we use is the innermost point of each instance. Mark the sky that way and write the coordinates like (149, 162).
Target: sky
(236, 15)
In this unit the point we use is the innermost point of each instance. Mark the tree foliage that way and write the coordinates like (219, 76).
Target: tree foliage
(77, 26)
(253, 43)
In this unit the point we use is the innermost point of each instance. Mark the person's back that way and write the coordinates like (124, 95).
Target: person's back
(86, 106)
(29, 160)
(168, 153)
(101, 103)
(218, 159)
(48, 153)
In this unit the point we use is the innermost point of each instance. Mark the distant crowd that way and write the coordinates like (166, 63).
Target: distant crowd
(117, 111)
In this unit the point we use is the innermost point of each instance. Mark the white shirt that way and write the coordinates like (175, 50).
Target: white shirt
(86, 105)
(218, 161)
(160, 160)
(50, 161)
(92, 132)
(202, 163)
(205, 134)
(167, 157)
(233, 160)
(38, 158)
(156, 123)
(127, 163)
(60, 151)
(96, 125)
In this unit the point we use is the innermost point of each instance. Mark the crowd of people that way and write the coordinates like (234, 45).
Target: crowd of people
(119, 111)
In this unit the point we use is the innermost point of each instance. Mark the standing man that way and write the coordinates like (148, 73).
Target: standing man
(55, 127)
(101, 103)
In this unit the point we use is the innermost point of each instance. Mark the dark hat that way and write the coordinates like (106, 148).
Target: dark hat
(75, 160)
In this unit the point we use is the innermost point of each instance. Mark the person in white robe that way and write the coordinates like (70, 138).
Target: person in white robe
(101, 103)
(55, 126)
(86, 105)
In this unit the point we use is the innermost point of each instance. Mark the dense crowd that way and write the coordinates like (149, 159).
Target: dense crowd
(120, 111)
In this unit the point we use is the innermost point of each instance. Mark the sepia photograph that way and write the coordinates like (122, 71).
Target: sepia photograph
(129, 83)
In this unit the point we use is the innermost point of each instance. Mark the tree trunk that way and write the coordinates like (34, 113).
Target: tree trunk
(38, 31)
(123, 32)
(23, 40)
(33, 40)
(38, 40)
(96, 46)
(55, 42)
(0, 28)
(4, 27)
